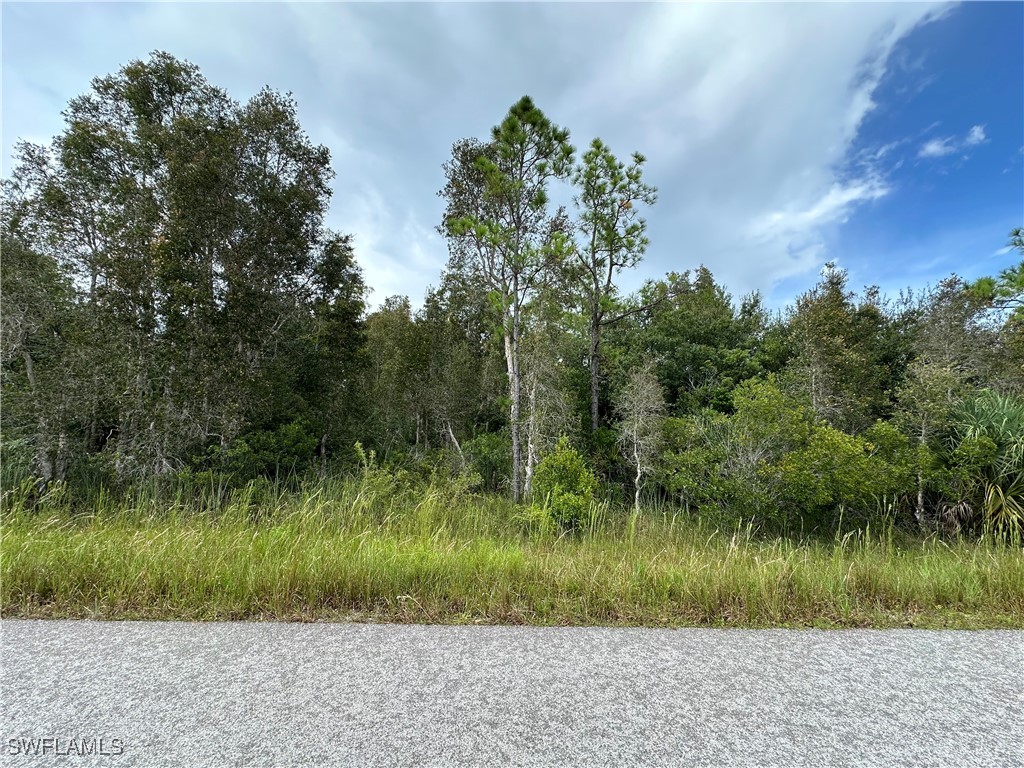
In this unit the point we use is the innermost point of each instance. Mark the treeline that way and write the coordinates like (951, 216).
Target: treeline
(174, 307)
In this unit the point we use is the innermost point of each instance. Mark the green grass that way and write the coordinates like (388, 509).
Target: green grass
(376, 550)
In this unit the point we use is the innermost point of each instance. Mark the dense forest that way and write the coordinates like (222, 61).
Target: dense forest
(176, 311)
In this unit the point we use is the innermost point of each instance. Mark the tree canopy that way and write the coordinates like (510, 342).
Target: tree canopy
(175, 306)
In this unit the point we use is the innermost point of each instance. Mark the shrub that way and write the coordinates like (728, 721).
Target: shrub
(770, 460)
(605, 457)
(288, 449)
(691, 467)
(714, 460)
(895, 461)
(837, 470)
(565, 486)
(490, 456)
(767, 422)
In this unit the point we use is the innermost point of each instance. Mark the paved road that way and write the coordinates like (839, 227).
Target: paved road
(337, 694)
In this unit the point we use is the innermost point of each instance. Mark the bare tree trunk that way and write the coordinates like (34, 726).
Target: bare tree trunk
(531, 442)
(515, 389)
(455, 443)
(44, 456)
(919, 511)
(595, 372)
(60, 469)
(639, 478)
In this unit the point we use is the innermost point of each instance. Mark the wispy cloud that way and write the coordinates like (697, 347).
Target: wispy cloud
(937, 148)
(941, 147)
(834, 206)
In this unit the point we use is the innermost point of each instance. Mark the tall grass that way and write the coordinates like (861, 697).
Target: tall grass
(377, 548)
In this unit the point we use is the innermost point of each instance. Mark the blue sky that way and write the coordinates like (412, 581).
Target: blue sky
(887, 137)
(953, 195)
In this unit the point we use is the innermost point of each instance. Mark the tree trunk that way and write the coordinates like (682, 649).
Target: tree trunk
(639, 478)
(595, 372)
(455, 443)
(531, 442)
(919, 512)
(60, 471)
(515, 387)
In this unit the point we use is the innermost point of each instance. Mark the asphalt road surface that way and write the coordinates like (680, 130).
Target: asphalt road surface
(156, 693)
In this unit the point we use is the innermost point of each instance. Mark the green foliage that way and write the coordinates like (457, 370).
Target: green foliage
(727, 462)
(987, 460)
(287, 450)
(40, 337)
(203, 296)
(171, 290)
(889, 444)
(565, 486)
(1007, 290)
(769, 459)
(692, 465)
(490, 456)
(838, 471)
(605, 455)
(1001, 419)
(848, 354)
(768, 420)
(703, 346)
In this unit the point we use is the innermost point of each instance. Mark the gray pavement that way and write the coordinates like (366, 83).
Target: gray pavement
(358, 694)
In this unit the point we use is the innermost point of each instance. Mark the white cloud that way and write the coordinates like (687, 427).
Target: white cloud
(747, 113)
(395, 250)
(748, 116)
(833, 206)
(975, 136)
(937, 148)
(950, 144)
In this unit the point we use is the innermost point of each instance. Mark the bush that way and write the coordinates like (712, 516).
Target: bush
(565, 486)
(377, 480)
(691, 467)
(490, 456)
(838, 470)
(767, 421)
(724, 462)
(289, 449)
(771, 461)
(605, 456)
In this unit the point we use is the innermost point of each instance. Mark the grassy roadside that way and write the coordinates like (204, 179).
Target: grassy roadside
(356, 551)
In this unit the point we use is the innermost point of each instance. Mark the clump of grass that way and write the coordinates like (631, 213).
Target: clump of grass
(375, 548)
